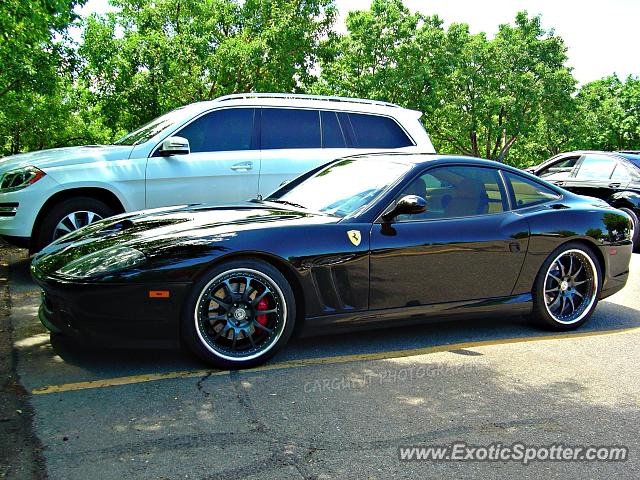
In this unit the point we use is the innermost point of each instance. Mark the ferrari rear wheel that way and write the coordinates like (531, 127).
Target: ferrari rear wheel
(239, 315)
(567, 287)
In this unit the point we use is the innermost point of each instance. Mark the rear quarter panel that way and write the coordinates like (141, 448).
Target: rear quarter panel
(592, 225)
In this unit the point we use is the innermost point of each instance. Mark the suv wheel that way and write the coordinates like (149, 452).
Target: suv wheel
(68, 216)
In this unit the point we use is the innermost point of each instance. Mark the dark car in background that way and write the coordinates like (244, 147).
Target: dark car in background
(610, 176)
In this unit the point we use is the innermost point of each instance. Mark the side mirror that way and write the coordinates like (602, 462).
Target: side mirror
(407, 205)
(175, 146)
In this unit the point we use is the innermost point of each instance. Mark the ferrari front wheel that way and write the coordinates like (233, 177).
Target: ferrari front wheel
(239, 314)
(567, 288)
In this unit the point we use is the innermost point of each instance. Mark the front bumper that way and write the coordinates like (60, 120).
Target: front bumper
(19, 209)
(114, 315)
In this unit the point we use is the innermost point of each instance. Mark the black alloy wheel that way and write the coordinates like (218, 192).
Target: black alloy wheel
(241, 315)
(567, 288)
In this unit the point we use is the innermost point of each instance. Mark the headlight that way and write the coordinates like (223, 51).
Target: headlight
(110, 260)
(20, 178)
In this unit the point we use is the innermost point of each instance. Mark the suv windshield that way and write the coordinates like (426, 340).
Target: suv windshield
(151, 129)
(344, 187)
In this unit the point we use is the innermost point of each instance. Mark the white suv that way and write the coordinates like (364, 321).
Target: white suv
(226, 150)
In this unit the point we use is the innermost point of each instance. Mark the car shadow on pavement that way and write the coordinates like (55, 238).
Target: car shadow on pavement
(608, 317)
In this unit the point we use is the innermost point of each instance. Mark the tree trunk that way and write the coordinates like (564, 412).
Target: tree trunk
(474, 143)
(505, 148)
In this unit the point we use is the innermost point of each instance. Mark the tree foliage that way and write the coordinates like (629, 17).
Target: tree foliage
(153, 56)
(510, 97)
(609, 114)
(479, 95)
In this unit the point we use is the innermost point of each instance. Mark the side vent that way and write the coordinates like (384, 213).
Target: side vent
(332, 287)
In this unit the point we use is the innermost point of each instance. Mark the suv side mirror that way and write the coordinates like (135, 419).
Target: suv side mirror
(175, 146)
(407, 205)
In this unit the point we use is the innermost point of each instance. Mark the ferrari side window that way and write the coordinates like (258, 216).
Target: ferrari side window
(458, 191)
(528, 192)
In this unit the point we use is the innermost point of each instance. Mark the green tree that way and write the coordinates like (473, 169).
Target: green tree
(152, 56)
(609, 114)
(479, 96)
(29, 51)
(34, 60)
(502, 90)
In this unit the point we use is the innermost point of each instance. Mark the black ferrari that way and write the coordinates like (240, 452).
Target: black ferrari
(373, 240)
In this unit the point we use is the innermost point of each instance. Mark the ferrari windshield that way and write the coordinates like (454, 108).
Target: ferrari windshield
(345, 187)
(152, 128)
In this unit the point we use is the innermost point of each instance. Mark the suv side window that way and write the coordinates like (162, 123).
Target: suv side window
(596, 167)
(221, 130)
(373, 131)
(458, 191)
(290, 128)
(528, 192)
(559, 170)
(333, 135)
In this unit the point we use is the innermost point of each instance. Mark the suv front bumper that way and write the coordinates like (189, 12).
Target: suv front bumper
(19, 209)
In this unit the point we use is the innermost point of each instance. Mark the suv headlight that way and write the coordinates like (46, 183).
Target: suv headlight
(20, 178)
(110, 260)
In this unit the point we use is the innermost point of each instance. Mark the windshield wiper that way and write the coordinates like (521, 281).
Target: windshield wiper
(287, 202)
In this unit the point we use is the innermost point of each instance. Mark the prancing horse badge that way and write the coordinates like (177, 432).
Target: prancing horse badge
(354, 236)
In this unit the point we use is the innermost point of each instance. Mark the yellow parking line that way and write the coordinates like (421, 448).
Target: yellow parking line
(153, 377)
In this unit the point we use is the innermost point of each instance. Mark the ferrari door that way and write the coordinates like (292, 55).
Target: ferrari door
(467, 245)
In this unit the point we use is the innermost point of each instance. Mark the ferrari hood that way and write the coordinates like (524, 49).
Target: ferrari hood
(150, 231)
(57, 157)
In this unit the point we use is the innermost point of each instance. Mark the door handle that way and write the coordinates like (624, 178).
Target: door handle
(560, 184)
(614, 185)
(242, 166)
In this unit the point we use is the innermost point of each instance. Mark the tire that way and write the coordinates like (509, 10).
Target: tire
(223, 327)
(578, 271)
(636, 228)
(88, 210)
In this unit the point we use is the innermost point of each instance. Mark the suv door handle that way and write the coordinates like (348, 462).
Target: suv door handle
(242, 166)
(559, 183)
(614, 185)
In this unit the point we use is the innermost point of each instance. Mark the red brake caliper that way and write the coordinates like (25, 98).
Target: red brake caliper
(262, 305)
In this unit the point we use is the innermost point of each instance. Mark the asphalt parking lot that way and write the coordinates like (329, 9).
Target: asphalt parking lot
(334, 406)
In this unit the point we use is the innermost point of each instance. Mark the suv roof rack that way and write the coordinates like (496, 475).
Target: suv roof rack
(301, 96)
